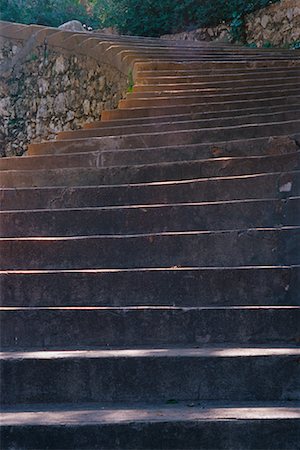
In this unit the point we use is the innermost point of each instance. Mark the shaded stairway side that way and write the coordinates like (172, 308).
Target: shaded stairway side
(150, 261)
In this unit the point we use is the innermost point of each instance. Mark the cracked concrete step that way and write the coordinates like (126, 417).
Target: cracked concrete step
(273, 185)
(225, 373)
(263, 246)
(206, 216)
(226, 114)
(153, 426)
(115, 130)
(213, 286)
(194, 82)
(218, 167)
(139, 101)
(213, 107)
(89, 327)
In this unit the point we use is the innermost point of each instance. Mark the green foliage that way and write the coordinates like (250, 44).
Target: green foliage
(237, 28)
(130, 81)
(267, 44)
(45, 12)
(295, 45)
(157, 17)
(136, 17)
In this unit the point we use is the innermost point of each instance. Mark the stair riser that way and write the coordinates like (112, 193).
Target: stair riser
(197, 98)
(96, 158)
(190, 90)
(242, 215)
(259, 186)
(177, 126)
(237, 147)
(194, 76)
(197, 108)
(173, 84)
(61, 329)
(257, 247)
(199, 287)
(144, 174)
(121, 379)
(237, 114)
(137, 435)
(252, 147)
(218, 65)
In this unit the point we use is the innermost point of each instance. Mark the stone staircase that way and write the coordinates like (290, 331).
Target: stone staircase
(150, 261)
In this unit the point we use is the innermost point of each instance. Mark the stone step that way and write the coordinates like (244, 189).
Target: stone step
(261, 247)
(198, 287)
(133, 101)
(172, 373)
(196, 90)
(265, 185)
(212, 75)
(169, 138)
(240, 66)
(226, 114)
(89, 327)
(219, 107)
(114, 130)
(91, 156)
(198, 82)
(138, 219)
(138, 426)
(218, 167)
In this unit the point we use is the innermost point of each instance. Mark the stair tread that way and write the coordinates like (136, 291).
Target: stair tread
(105, 413)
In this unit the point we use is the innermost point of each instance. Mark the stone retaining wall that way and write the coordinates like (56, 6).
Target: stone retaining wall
(49, 91)
(277, 25)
